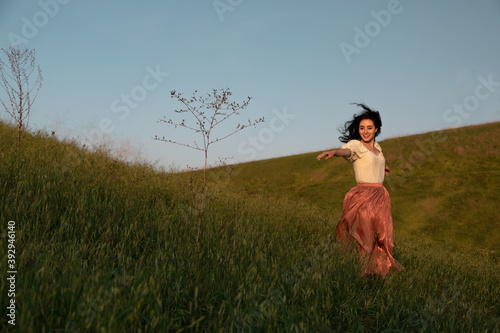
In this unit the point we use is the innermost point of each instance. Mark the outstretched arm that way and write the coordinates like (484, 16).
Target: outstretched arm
(336, 152)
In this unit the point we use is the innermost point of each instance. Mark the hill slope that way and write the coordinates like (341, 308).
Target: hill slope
(102, 245)
(443, 185)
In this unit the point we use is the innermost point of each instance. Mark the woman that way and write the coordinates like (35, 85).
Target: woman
(366, 215)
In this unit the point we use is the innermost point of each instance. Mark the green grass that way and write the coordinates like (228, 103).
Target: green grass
(443, 185)
(103, 245)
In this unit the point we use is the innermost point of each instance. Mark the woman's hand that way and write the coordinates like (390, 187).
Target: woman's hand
(387, 170)
(326, 155)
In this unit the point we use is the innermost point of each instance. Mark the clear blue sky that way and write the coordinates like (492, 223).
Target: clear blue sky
(425, 65)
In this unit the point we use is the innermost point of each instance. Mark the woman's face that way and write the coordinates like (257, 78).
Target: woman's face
(367, 130)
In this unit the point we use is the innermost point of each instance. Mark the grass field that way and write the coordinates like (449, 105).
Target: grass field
(103, 245)
(444, 185)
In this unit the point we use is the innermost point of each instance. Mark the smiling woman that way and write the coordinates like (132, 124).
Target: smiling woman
(366, 216)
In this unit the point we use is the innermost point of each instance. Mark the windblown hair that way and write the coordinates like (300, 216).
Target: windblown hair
(351, 127)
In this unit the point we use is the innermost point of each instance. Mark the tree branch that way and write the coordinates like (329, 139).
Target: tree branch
(177, 143)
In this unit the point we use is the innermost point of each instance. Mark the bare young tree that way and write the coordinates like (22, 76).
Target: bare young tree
(21, 88)
(208, 111)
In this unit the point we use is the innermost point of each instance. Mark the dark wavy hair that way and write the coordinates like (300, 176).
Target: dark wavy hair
(351, 127)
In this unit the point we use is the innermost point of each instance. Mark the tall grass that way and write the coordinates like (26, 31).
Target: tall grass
(443, 185)
(106, 246)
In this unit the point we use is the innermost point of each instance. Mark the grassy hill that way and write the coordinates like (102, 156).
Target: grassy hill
(102, 245)
(444, 185)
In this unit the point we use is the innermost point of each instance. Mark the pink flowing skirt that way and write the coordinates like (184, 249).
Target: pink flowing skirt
(367, 222)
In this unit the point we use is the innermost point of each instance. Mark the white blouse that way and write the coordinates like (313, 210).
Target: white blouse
(368, 167)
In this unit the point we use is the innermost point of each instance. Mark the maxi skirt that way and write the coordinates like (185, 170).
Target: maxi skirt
(367, 222)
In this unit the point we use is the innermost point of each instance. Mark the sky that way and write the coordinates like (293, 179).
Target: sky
(109, 67)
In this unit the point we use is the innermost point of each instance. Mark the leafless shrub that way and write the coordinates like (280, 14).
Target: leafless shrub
(16, 78)
(208, 111)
